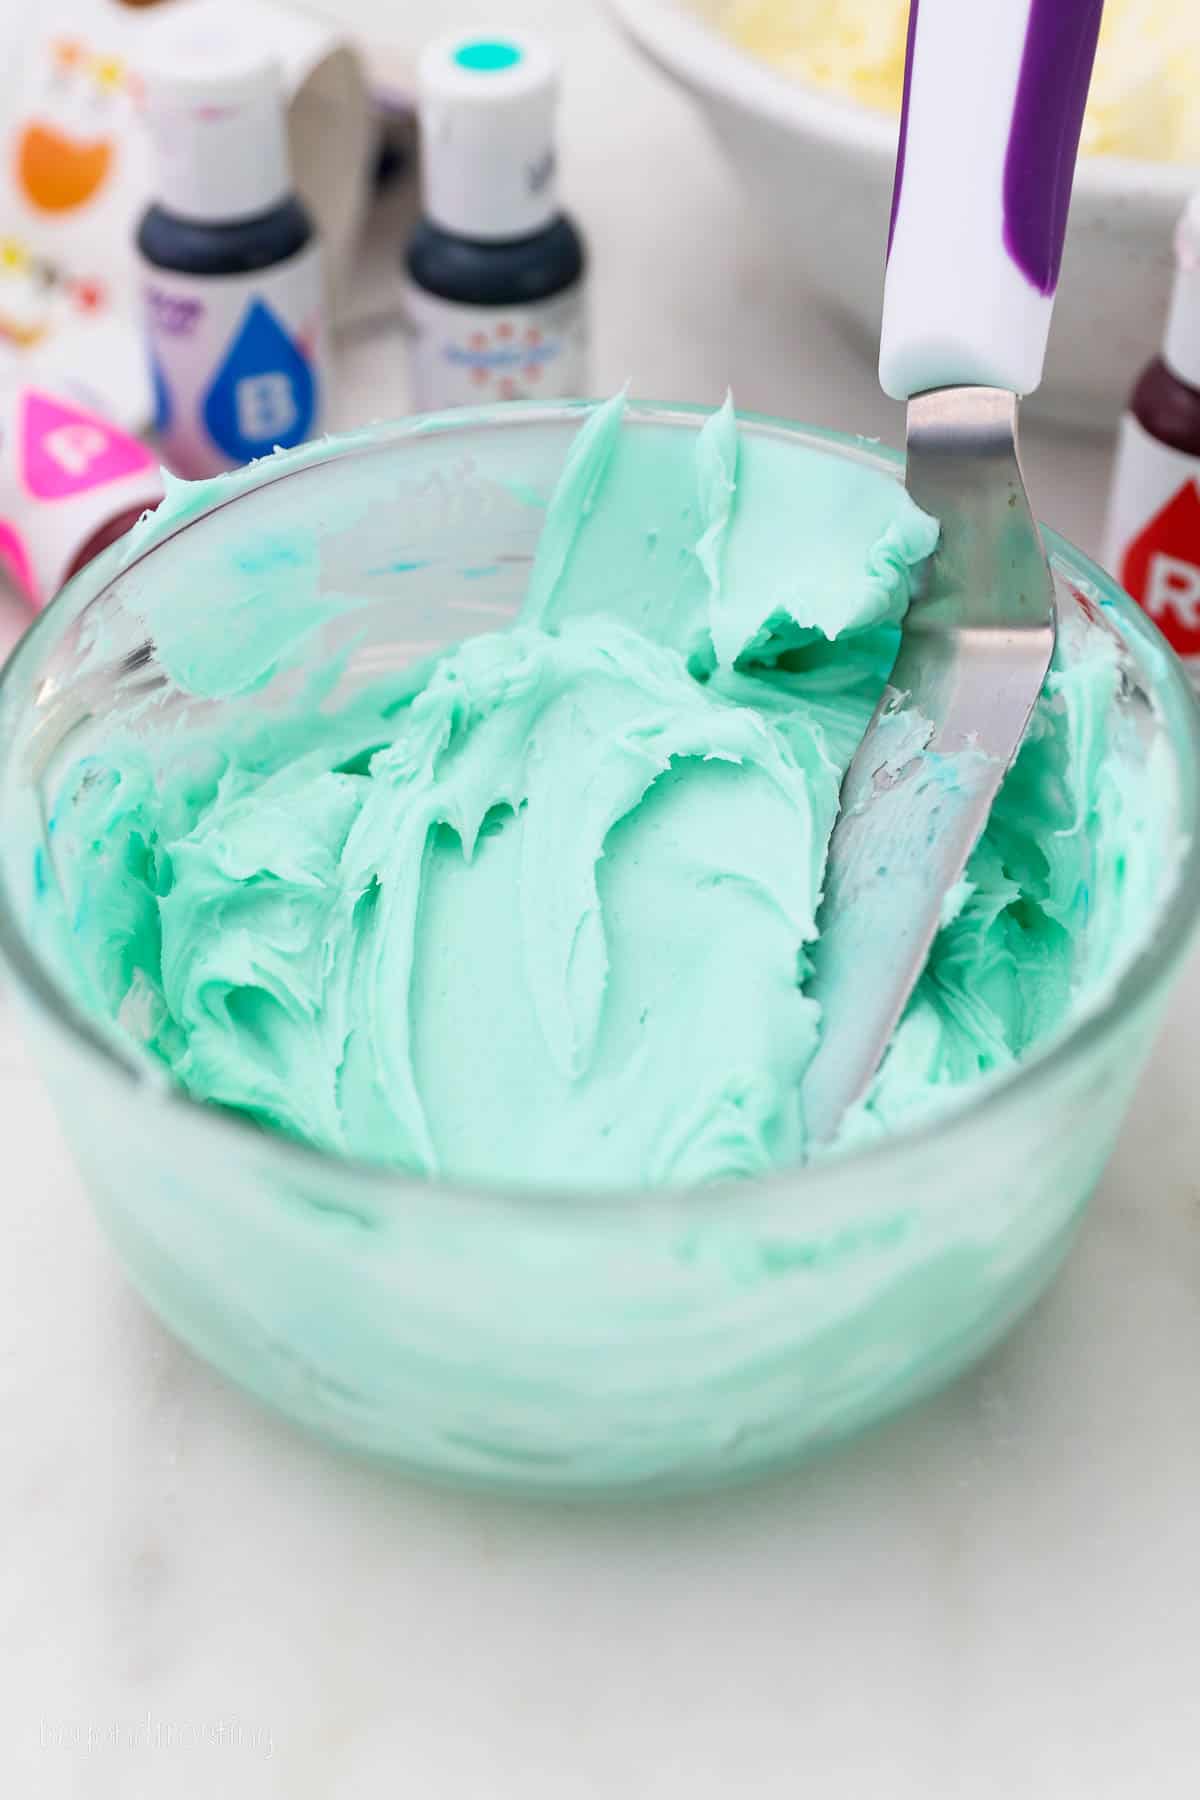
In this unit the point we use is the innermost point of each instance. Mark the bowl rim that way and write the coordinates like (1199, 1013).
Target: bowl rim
(695, 51)
(1142, 976)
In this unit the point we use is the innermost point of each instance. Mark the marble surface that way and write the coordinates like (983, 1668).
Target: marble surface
(994, 1596)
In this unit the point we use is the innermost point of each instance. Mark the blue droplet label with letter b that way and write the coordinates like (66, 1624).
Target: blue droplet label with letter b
(240, 362)
(162, 396)
(264, 393)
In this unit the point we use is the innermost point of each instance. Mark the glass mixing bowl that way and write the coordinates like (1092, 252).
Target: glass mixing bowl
(541, 1341)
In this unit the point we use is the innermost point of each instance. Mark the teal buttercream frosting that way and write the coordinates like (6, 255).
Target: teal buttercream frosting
(540, 911)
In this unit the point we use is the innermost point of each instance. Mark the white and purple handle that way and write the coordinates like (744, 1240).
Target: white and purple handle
(994, 92)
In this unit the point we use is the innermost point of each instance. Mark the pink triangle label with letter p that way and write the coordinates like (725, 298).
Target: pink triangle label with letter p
(65, 451)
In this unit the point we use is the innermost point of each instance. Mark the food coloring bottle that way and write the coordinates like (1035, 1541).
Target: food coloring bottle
(71, 483)
(495, 271)
(232, 277)
(1152, 540)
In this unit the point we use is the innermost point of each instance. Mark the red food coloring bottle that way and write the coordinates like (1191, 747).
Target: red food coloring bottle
(1152, 539)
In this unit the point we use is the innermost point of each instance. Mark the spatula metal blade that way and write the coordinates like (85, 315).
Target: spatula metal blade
(974, 652)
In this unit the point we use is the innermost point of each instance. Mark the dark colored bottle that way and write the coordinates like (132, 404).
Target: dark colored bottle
(230, 259)
(238, 247)
(1152, 540)
(495, 270)
(101, 539)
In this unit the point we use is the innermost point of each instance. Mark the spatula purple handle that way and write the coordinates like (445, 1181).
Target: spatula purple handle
(994, 92)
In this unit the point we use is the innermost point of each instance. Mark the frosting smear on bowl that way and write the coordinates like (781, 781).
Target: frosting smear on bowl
(539, 911)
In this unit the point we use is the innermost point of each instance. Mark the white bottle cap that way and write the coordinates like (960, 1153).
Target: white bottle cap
(1181, 346)
(215, 110)
(487, 103)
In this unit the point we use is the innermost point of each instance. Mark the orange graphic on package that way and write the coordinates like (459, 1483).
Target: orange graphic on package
(65, 149)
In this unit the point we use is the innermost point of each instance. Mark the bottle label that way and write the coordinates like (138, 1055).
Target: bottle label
(468, 355)
(1152, 541)
(65, 475)
(238, 362)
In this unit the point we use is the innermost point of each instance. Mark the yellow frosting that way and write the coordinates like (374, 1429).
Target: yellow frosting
(1145, 96)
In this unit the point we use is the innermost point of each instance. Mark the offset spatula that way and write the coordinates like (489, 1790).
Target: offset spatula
(994, 94)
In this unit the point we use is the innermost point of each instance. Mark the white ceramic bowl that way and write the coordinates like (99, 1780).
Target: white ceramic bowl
(820, 167)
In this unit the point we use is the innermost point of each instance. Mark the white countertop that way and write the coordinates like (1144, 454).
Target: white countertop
(993, 1597)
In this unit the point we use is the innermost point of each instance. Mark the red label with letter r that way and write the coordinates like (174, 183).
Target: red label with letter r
(1161, 569)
